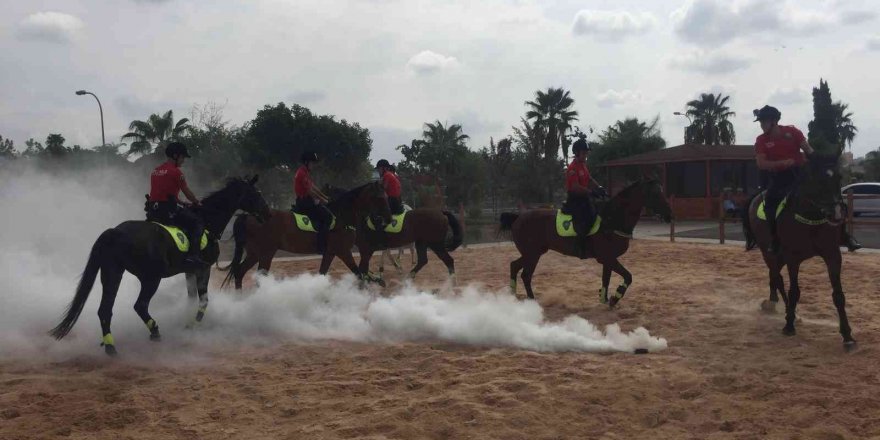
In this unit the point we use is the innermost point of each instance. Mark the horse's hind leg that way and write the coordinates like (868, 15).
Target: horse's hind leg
(422, 251)
(440, 250)
(149, 284)
(834, 262)
(111, 276)
(249, 261)
(794, 295)
(777, 286)
(529, 266)
(515, 267)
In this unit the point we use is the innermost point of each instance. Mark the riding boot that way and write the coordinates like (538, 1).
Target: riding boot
(851, 243)
(580, 246)
(322, 240)
(193, 258)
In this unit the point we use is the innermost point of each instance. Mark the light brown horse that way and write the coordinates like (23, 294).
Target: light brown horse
(808, 227)
(260, 241)
(426, 228)
(534, 233)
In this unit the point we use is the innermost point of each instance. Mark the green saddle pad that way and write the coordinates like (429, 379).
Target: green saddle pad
(304, 223)
(394, 227)
(180, 239)
(763, 215)
(565, 228)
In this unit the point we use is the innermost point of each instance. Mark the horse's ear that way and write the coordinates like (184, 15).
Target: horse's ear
(254, 179)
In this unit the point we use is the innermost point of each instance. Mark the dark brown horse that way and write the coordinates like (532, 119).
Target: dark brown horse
(426, 228)
(534, 233)
(260, 241)
(808, 227)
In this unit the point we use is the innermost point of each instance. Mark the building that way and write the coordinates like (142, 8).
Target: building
(696, 175)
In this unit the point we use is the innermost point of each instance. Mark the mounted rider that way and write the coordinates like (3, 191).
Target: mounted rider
(579, 201)
(780, 151)
(391, 183)
(163, 206)
(310, 200)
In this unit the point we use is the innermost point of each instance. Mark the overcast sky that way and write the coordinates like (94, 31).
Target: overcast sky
(392, 65)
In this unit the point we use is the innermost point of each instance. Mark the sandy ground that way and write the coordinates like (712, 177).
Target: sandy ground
(728, 371)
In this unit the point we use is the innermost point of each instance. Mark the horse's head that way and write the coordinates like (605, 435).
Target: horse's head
(655, 200)
(820, 189)
(373, 199)
(249, 198)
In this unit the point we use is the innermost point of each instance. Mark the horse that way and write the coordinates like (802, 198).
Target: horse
(534, 233)
(396, 261)
(427, 228)
(809, 226)
(258, 242)
(147, 251)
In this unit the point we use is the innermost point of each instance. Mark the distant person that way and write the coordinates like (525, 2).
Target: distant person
(579, 201)
(166, 182)
(391, 183)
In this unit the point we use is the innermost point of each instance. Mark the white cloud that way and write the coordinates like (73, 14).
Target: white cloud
(427, 62)
(874, 43)
(714, 22)
(785, 95)
(613, 98)
(612, 25)
(55, 27)
(709, 62)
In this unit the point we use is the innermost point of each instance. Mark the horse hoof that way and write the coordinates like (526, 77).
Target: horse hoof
(110, 350)
(789, 331)
(849, 346)
(768, 306)
(381, 283)
(155, 337)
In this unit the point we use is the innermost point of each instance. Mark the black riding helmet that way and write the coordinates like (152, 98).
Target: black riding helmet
(383, 163)
(767, 113)
(308, 156)
(176, 149)
(580, 145)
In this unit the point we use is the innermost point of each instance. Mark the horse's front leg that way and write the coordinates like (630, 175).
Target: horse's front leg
(621, 289)
(833, 262)
(202, 277)
(606, 280)
(794, 295)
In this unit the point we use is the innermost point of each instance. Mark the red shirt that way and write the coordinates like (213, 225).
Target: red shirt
(578, 173)
(165, 182)
(392, 184)
(302, 183)
(787, 145)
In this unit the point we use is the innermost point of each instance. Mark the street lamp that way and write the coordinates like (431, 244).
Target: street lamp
(101, 109)
(690, 122)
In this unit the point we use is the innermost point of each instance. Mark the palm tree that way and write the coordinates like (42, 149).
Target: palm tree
(843, 120)
(442, 145)
(710, 125)
(551, 113)
(155, 130)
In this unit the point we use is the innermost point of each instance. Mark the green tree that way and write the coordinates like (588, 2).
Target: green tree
(823, 132)
(7, 149)
(552, 112)
(34, 148)
(872, 165)
(55, 145)
(156, 131)
(497, 158)
(531, 177)
(623, 139)
(845, 127)
(710, 120)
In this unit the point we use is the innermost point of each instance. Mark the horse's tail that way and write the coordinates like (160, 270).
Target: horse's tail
(747, 224)
(239, 234)
(507, 219)
(96, 259)
(457, 236)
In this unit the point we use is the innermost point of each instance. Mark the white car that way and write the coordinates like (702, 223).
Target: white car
(864, 206)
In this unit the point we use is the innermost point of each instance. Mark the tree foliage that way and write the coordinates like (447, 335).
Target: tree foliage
(623, 139)
(551, 111)
(832, 127)
(710, 121)
(155, 132)
(7, 149)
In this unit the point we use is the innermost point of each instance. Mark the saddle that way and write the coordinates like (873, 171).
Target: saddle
(180, 238)
(305, 223)
(762, 214)
(565, 226)
(396, 224)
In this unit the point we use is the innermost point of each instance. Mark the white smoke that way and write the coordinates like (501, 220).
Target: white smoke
(50, 223)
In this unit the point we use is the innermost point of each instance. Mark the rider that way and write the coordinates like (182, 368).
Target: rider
(778, 152)
(307, 193)
(166, 181)
(391, 183)
(579, 202)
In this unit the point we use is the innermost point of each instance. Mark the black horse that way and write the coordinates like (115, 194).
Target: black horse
(808, 227)
(147, 251)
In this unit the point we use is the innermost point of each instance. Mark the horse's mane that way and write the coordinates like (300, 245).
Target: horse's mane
(350, 195)
(211, 198)
(625, 192)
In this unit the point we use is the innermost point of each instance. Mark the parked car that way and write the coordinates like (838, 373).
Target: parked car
(864, 206)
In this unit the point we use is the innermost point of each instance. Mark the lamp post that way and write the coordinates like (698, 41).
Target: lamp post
(101, 109)
(690, 122)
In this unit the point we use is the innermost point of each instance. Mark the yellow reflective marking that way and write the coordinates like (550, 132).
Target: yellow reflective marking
(108, 339)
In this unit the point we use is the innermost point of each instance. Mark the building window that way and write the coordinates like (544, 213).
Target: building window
(686, 179)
